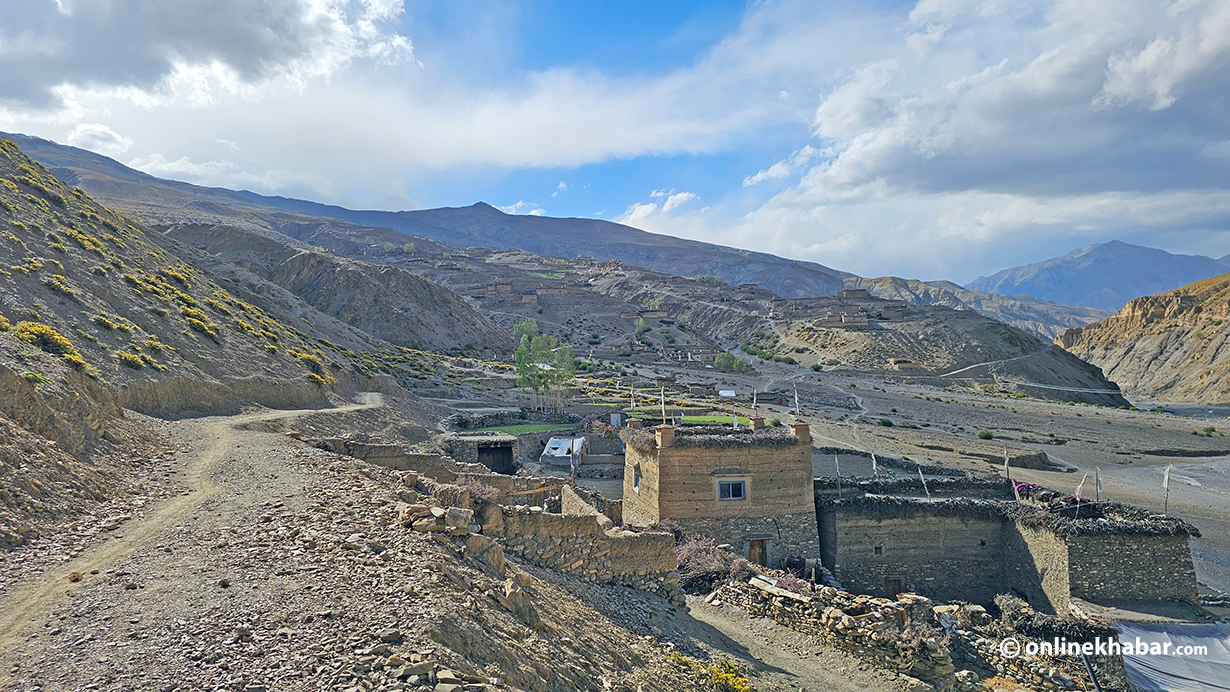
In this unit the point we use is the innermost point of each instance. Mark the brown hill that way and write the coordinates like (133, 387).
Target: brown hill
(101, 313)
(1169, 346)
(384, 301)
(1037, 316)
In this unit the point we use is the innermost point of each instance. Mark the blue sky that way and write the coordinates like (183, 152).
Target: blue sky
(933, 139)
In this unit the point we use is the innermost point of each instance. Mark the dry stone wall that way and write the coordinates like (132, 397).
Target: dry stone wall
(908, 634)
(579, 546)
(1131, 568)
(948, 558)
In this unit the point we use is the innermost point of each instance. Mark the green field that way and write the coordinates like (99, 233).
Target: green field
(523, 428)
(716, 420)
(548, 275)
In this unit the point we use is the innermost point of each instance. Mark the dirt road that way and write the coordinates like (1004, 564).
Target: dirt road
(19, 607)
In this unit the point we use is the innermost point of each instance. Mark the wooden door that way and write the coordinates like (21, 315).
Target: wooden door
(757, 552)
(893, 586)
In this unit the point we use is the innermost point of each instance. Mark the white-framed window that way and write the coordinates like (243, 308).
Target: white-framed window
(636, 478)
(732, 490)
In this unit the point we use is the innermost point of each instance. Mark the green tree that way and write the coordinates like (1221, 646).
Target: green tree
(543, 363)
(526, 327)
(729, 363)
(641, 328)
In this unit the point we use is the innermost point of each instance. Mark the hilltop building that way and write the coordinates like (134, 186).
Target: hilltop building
(749, 488)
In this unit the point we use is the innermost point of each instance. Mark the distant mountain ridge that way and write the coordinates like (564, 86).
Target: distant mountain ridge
(1039, 317)
(354, 232)
(479, 225)
(1104, 276)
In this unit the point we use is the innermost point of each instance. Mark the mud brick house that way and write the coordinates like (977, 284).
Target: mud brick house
(974, 541)
(751, 489)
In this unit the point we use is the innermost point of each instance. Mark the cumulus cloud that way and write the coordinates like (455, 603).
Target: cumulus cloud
(98, 138)
(928, 140)
(139, 45)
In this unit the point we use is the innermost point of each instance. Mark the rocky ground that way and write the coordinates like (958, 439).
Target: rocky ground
(265, 564)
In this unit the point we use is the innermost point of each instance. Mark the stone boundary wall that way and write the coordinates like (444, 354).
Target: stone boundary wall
(442, 468)
(578, 545)
(870, 627)
(516, 490)
(1131, 568)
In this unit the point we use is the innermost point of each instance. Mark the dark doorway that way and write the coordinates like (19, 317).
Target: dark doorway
(758, 552)
(893, 586)
(498, 458)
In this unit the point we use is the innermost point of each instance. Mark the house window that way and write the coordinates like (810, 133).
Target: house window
(731, 490)
(636, 479)
(879, 550)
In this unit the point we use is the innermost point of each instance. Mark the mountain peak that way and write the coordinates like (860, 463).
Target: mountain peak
(1104, 276)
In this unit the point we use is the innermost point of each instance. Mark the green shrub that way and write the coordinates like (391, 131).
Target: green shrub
(986, 435)
(885, 422)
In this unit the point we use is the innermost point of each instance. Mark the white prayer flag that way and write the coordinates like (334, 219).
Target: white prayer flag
(1081, 485)
(1097, 479)
(924, 482)
(838, 465)
(874, 470)
(1166, 479)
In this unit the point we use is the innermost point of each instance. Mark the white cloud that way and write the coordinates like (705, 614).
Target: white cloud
(523, 207)
(99, 138)
(929, 139)
(226, 173)
(133, 46)
(784, 168)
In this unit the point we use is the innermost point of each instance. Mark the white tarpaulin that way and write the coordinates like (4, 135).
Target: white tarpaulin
(1176, 671)
(559, 450)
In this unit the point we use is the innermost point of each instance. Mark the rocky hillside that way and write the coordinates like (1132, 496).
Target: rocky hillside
(101, 312)
(1039, 317)
(164, 201)
(1169, 346)
(1103, 276)
(387, 302)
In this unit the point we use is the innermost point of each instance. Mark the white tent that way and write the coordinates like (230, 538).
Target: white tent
(560, 450)
(1159, 672)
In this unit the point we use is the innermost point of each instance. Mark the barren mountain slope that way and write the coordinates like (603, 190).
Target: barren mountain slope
(1172, 346)
(165, 201)
(100, 312)
(1039, 317)
(384, 301)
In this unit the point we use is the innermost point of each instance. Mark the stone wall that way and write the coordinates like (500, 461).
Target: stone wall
(1110, 568)
(949, 558)
(787, 535)
(972, 550)
(579, 546)
(872, 629)
(1035, 567)
(441, 468)
(869, 627)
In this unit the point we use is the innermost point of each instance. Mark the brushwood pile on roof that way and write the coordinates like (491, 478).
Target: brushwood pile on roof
(1101, 519)
(645, 440)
